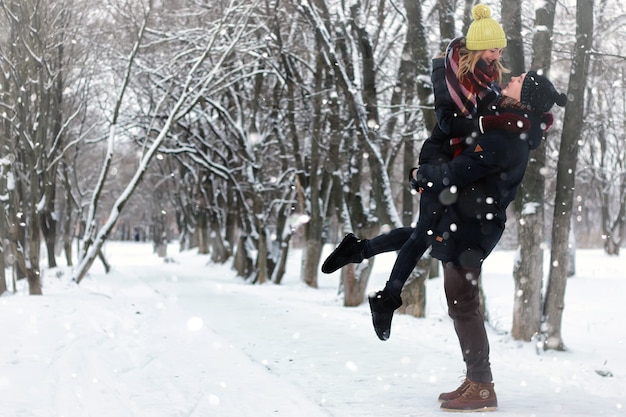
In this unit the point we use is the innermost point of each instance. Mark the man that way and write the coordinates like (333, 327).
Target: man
(482, 182)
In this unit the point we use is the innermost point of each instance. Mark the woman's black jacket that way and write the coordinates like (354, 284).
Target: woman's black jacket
(450, 123)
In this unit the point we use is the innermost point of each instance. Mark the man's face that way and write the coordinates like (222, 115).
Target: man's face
(514, 88)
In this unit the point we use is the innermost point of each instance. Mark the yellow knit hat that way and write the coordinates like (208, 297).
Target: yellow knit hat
(484, 32)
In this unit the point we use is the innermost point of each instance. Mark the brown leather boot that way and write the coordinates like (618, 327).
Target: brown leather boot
(447, 396)
(476, 397)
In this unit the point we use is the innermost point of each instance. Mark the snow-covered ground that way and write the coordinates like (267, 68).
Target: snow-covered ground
(188, 338)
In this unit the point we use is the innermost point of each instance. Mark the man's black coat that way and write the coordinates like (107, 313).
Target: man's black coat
(482, 182)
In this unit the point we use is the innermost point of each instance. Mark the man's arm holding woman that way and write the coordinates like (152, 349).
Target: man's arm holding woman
(490, 153)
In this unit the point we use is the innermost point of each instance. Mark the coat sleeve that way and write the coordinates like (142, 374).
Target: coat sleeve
(449, 120)
(487, 156)
(536, 133)
(492, 152)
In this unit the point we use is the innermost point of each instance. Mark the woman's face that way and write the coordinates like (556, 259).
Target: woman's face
(514, 88)
(491, 55)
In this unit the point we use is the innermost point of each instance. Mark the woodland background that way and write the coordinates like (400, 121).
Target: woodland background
(242, 128)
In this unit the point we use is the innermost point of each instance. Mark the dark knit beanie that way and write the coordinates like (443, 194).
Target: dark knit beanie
(539, 93)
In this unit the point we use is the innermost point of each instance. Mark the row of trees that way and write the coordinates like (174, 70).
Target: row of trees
(247, 122)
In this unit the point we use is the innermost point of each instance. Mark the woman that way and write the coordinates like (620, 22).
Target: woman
(465, 83)
(484, 179)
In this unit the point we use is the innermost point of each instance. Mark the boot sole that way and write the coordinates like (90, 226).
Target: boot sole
(476, 410)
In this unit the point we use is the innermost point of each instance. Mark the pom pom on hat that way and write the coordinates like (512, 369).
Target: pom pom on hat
(481, 11)
(484, 32)
(540, 94)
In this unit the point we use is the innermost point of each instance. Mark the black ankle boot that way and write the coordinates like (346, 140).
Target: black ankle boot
(382, 306)
(349, 251)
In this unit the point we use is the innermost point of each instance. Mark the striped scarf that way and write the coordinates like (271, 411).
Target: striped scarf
(475, 85)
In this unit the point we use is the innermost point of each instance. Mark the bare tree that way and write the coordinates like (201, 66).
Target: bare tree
(190, 87)
(566, 170)
(358, 87)
(530, 202)
(415, 86)
(86, 257)
(3, 222)
(604, 159)
(33, 62)
(609, 173)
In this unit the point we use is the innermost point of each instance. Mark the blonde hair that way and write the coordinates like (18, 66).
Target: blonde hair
(468, 60)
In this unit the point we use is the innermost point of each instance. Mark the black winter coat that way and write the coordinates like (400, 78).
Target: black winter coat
(450, 124)
(482, 182)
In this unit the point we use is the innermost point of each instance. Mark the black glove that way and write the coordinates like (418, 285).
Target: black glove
(546, 120)
(413, 181)
(508, 121)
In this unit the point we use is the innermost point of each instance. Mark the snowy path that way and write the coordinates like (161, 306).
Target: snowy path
(322, 361)
(185, 339)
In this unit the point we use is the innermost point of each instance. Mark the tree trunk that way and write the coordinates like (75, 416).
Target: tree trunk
(310, 260)
(201, 230)
(529, 206)
(48, 229)
(242, 262)
(421, 62)
(33, 273)
(566, 171)
(354, 279)
(105, 263)
(231, 210)
(414, 291)
(467, 15)
(447, 25)
(313, 229)
(528, 284)
(512, 25)
(219, 250)
(3, 282)
(262, 267)
(281, 265)
(260, 238)
(3, 224)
